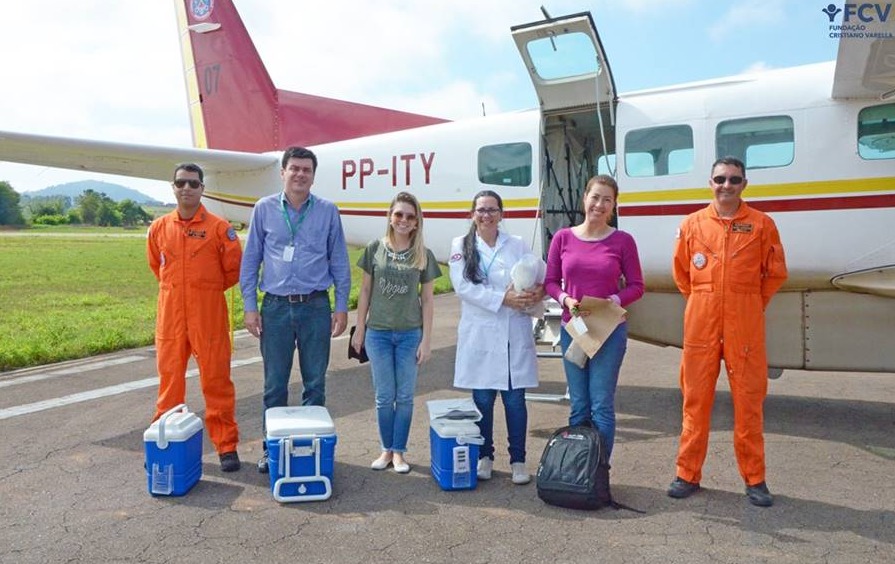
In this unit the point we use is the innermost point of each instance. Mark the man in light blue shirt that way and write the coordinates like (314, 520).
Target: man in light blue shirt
(298, 239)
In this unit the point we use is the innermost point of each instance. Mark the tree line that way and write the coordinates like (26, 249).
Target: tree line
(90, 208)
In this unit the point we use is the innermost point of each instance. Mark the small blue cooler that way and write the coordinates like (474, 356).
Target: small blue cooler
(454, 439)
(301, 446)
(173, 445)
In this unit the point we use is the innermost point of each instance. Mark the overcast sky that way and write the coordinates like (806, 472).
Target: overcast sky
(110, 69)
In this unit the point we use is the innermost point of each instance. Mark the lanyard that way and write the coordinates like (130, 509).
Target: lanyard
(487, 269)
(293, 229)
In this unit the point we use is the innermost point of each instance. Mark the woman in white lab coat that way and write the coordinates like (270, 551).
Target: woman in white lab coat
(495, 345)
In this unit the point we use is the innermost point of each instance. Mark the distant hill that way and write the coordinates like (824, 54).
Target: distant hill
(116, 192)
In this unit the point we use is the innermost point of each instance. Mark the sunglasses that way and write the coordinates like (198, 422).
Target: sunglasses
(194, 184)
(732, 179)
(399, 215)
(487, 211)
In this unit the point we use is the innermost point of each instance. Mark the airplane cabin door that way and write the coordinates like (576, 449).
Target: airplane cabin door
(576, 93)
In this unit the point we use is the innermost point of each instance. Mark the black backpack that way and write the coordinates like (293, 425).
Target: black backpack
(573, 471)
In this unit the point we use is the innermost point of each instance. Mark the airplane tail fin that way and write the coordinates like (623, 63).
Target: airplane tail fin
(234, 104)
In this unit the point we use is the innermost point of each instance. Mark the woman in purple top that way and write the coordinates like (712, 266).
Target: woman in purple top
(597, 260)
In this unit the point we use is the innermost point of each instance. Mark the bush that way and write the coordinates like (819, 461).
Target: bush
(55, 219)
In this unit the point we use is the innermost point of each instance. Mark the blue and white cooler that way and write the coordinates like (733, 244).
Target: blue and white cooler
(173, 445)
(301, 447)
(454, 438)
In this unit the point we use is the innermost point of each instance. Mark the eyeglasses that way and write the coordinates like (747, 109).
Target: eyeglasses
(194, 184)
(735, 180)
(487, 211)
(399, 215)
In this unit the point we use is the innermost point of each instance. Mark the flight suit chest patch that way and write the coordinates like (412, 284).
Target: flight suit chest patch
(741, 227)
(699, 261)
(196, 233)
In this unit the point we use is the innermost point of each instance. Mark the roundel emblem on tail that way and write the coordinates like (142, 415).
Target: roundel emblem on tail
(201, 9)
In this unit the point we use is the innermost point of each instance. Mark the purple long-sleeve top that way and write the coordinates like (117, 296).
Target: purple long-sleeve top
(598, 269)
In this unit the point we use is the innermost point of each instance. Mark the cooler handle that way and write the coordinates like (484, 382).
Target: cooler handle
(470, 440)
(285, 461)
(162, 442)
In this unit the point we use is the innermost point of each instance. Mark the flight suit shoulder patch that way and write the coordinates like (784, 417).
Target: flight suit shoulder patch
(231, 234)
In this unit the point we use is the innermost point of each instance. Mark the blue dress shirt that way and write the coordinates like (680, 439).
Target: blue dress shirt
(319, 258)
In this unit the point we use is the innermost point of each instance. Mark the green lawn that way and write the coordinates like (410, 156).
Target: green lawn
(83, 291)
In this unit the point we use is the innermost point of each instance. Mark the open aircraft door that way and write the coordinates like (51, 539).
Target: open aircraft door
(577, 97)
(566, 62)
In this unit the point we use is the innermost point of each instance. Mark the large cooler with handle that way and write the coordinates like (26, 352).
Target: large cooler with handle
(173, 445)
(301, 445)
(454, 439)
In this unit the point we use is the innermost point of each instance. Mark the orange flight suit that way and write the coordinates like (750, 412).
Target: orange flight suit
(728, 269)
(195, 261)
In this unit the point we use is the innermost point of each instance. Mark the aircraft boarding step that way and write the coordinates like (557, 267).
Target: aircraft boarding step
(546, 332)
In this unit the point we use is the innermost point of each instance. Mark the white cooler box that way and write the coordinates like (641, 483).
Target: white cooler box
(301, 445)
(454, 439)
(173, 445)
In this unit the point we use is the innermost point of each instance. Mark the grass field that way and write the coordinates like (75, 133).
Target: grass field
(87, 291)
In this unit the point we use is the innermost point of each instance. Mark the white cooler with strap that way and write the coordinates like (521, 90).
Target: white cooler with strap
(173, 445)
(301, 444)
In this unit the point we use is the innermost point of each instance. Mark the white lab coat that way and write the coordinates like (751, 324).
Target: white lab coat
(494, 342)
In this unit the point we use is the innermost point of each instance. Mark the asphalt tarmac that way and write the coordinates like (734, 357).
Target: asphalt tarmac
(73, 487)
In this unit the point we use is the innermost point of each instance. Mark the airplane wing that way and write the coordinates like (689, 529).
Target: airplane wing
(142, 161)
(865, 64)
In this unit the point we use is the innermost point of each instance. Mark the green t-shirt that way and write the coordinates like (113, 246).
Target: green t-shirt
(395, 295)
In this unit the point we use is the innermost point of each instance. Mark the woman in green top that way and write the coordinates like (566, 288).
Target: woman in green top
(394, 312)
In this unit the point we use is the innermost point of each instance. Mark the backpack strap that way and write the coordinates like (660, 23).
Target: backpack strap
(616, 505)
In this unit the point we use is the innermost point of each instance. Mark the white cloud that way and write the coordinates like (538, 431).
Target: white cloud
(758, 66)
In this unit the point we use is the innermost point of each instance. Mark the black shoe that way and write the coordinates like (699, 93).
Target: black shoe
(760, 495)
(681, 488)
(262, 464)
(230, 462)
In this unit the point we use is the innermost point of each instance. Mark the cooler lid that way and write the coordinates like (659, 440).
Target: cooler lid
(298, 420)
(178, 427)
(446, 428)
(454, 410)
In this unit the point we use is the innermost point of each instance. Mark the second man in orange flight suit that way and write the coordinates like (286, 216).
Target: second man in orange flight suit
(728, 263)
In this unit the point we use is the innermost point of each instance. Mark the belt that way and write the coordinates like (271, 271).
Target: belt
(299, 298)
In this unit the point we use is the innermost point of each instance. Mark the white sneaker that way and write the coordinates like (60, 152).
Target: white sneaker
(484, 470)
(520, 474)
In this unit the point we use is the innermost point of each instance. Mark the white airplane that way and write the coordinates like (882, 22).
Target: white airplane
(818, 142)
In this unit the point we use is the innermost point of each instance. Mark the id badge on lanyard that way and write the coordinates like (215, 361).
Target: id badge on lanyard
(289, 250)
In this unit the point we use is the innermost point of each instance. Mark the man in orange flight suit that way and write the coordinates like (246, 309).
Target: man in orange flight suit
(195, 256)
(728, 263)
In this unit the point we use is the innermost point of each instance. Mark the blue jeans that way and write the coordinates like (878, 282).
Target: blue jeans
(517, 421)
(286, 327)
(592, 388)
(393, 365)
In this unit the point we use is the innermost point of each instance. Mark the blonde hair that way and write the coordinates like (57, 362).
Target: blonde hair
(417, 248)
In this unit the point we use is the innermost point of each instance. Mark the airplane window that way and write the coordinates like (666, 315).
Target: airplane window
(876, 132)
(762, 142)
(508, 164)
(606, 164)
(659, 151)
(563, 56)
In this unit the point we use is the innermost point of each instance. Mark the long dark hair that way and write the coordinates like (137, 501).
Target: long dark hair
(471, 271)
